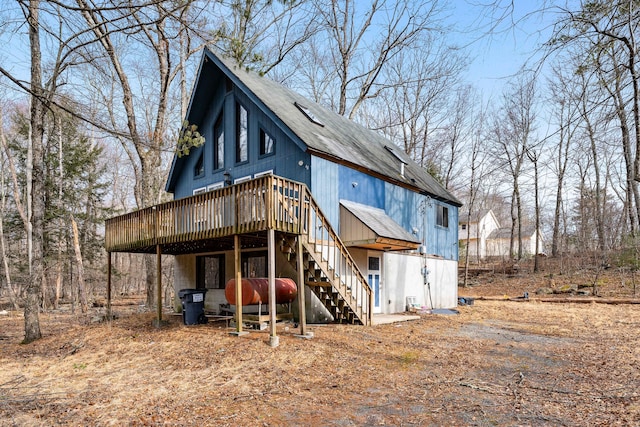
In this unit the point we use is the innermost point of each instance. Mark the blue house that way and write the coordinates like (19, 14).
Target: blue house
(284, 187)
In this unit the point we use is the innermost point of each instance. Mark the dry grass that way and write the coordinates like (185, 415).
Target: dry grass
(497, 363)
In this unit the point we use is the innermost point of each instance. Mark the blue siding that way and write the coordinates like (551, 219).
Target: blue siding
(417, 213)
(324, 187)
(328, 181)
(360, 188)
(331, 183)
(288, 160)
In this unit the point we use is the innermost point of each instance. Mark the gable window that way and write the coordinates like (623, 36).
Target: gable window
(442, 216)
(218, 143)
(198, 169)
(242, 135)
(210, 272)
(267, 143)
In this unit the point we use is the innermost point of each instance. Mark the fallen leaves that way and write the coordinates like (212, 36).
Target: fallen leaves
(497, 362)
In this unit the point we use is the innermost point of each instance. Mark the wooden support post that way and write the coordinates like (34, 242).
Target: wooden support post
(301, 290)
(271, 273)
(159, 285)
(238, 275)
(370, 313)
(109, 285)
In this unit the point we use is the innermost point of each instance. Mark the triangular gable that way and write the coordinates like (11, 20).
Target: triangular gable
(328, 135)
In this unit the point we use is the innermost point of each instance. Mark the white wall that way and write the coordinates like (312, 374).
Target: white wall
(443, 282)
(500, 247)
(403, 278)
(478, 231)
(184, 276)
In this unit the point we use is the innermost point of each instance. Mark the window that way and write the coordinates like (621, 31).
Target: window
(464, 226)
(396, 155)
(263, 173)
(308, 114)
(198, 169)
(242, 179)
(254, 264)
(199, 190)
(442, 216)
(215, 186)
(242, 135)
(218, 143)
(210, 272)
(267, 143)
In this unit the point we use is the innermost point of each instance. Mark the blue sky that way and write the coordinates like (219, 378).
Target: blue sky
(498, 55)
(495, 57)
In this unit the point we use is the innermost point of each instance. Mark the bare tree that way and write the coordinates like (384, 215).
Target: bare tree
(260, 34)
(511, 133)
(3, 209)
(477, 167)
(534, 157)
(147, 142)
(36, 219)
(363, 40)
(414, 110)
(564, 101)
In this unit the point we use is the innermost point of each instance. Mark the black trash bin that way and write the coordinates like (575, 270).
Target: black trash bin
(192, 306)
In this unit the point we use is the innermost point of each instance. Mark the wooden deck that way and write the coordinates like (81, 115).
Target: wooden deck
(264, 203)
(252, 209)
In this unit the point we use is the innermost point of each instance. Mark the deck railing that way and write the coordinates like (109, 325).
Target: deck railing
(251, 206)
(268, 202)
(346, 278)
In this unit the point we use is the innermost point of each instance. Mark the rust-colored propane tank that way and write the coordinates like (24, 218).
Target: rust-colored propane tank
(256, 290)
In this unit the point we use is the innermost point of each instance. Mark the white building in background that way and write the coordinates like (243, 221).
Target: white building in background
(487, 239)
(477, 228)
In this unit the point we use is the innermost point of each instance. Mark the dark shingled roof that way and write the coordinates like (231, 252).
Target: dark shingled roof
(463, 217)
(336, 137)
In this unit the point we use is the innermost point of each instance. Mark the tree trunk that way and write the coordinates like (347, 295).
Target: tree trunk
(32, 302)
(565, 132)
(3, 251)
(84, 306)
(536, 259)
(514, 218)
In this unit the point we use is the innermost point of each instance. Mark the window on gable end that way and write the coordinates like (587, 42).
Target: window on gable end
(267, 143)
(198, 169)
(242, 134)
(442, 216)
(218, 143)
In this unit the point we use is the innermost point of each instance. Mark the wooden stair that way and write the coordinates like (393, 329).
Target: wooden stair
(250, 208)
(346, 296)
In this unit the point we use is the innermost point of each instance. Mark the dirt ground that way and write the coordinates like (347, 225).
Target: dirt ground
(496, 363)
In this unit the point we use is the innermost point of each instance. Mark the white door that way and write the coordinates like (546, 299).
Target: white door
(373, 277)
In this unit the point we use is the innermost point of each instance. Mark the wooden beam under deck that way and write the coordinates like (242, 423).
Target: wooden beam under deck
(241, 216)
(159, 284)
